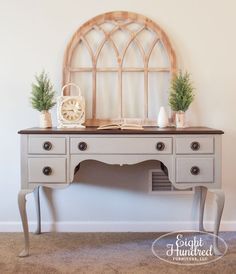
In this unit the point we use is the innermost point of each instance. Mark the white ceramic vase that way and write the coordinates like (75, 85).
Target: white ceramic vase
(45, 119)
(180, 119)
(162, 119)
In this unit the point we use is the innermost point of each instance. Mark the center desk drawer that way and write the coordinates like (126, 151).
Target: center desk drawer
(122, 145)
(47, 170)
(47, 145)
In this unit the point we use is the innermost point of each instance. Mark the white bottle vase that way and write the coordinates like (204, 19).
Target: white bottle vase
(180, 119)
(162, 119)
(45, 119)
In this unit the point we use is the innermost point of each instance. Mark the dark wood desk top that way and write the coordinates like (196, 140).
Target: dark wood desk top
(146, 130)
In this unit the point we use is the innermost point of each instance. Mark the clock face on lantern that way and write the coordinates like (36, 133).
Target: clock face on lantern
(71, 110)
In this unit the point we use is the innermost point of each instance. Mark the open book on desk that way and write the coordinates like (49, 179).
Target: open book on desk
(122, 126)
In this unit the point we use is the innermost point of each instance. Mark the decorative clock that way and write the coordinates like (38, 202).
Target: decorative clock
(71, 109)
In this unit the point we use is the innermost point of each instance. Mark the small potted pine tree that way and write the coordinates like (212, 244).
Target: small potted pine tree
(181, 96)
(43, 98)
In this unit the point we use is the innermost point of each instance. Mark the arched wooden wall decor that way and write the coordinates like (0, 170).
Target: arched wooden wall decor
(123, 63)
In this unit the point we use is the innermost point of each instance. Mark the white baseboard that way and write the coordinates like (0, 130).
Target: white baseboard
(114, 226)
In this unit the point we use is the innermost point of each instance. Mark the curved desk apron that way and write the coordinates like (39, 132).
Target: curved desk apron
(50, 157)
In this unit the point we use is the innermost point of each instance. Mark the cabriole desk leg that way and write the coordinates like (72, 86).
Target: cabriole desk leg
(22, 207)
(203, 194)
(38, 211)
(200, 194)
(220, 200)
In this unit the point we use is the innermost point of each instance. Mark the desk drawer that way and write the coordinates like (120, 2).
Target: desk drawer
(126, 145)
(47, 170)
(194, 145)
(193, 170)
(47, 145)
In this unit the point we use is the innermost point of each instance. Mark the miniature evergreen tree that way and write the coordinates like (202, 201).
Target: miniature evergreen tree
(42, 95)
(181, 92)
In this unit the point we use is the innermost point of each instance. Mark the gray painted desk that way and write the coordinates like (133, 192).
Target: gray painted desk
(50, 157)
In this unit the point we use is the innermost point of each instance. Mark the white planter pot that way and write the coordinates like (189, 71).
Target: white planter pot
(162, 119)
(45, 119)
(180, 119)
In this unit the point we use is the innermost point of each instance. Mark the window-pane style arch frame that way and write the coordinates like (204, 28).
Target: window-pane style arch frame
(121, 21)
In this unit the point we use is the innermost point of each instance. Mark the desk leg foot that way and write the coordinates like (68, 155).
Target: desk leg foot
(24, 253)
(22, 208)
(220, 200)
(216, 251)
(38, 211)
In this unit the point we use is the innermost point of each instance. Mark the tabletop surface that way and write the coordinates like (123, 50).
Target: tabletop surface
(146, 130)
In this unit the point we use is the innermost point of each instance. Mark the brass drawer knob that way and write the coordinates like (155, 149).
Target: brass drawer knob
(82, 146)
(47, 145)
(47, 170)
(160, 146)
(195, 146)
(195, 170)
